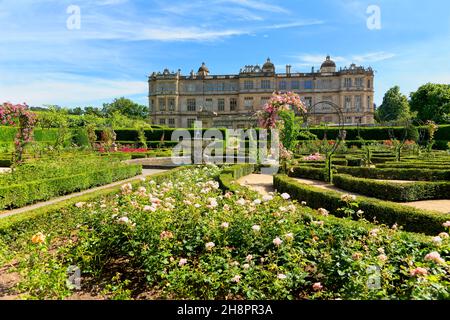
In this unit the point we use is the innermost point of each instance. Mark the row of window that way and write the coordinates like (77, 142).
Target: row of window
(249, 103)
(170, 122)
(233, 102)
(267, 84)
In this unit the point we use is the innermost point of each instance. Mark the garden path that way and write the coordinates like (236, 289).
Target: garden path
(261, 183)
(7, 213)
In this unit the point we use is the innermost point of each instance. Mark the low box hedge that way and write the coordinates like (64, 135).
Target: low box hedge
(399, 192)
(21, 194)
(396, 173)
(308, 173)
(385, 212)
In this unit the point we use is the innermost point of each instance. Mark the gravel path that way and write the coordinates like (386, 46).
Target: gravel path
(261, 183)
(7, 213)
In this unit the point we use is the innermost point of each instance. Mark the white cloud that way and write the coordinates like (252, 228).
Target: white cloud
(68, 90)
(257, 5)
(373, 57)
(317, 59)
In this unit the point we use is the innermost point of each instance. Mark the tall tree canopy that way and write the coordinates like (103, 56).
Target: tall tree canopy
(395, 105)
(432, 102)
(126, 107)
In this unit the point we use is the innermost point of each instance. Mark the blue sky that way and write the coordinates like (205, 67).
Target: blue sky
(120, 42)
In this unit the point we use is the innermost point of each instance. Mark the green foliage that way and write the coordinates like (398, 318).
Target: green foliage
(81, 137)
(398, 192)
(385, 212)
(44, 179)
(142, 138)
(395, 105)
(291, 129)
(413, 174)
(127, 108)
(432, 102)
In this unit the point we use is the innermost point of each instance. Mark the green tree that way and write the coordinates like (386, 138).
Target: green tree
(126, 107)
(395, 105)
(432, 102)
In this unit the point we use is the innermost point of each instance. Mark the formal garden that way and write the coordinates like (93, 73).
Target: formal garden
(354, 213)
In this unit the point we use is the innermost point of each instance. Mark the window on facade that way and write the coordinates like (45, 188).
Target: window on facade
(191, 106)
(264, 100)
(221, 86)
(348, 103)
(171, 122)
(347, 82)
(162, 104)
(308, 84)
(190, 122)
(171, 103)
(233, 104)
(283, 85)
(359, 82)
(348, 119)
(221, 104)
(368, 84)
(209, 87)
(248, 84)
(325, 106)
(209, 104)
(295, 84)
(358, 119)
(162, 121)
(326, 84)
(265, 84)
(152, 105)
(358, 103)
(248, 103)
(308, 101)
(369, 105)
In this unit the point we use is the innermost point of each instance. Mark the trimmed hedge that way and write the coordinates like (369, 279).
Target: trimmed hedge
(308, 173)
(396, 173)
(19, 195)
(399, 192)
(375, 133)
(229, 175)
(385, 212)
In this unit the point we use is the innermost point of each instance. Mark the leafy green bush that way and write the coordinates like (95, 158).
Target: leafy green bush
(21, 194)
(308, 173)
(389, 213)
(399, 192)
(396, 173)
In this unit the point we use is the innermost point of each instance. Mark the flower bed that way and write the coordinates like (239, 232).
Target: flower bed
(179, 236)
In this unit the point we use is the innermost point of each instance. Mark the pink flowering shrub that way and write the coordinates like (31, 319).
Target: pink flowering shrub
(314, 157)
(18, 115)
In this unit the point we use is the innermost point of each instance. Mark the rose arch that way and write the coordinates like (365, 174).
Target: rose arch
(18, 115)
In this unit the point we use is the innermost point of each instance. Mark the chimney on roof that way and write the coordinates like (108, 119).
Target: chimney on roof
(288, 69)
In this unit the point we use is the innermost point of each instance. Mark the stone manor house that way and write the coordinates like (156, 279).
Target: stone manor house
(231, 101)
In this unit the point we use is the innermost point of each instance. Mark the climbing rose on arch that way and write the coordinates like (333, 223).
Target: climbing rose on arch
(18, 115)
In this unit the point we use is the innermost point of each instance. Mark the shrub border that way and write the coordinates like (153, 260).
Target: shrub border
(385, 212)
